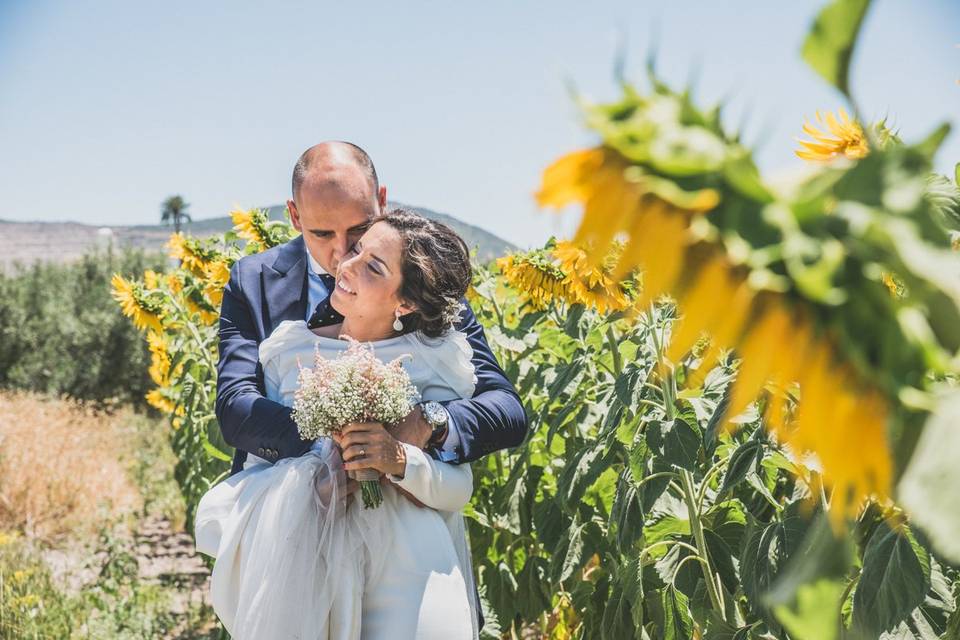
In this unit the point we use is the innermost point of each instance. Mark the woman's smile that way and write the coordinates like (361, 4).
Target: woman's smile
(345, 287)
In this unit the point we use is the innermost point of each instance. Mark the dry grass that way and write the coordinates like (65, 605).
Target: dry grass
(61, 466)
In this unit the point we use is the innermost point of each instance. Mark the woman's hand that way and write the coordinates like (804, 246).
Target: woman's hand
(368, 445)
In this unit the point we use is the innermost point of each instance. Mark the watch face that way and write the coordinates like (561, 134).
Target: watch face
(434, 413)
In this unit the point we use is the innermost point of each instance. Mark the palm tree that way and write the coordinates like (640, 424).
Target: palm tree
(174, 209)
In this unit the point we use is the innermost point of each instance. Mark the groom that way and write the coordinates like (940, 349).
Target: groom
(335, 195)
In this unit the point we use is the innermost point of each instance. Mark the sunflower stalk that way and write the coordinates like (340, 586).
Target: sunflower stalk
(195, 334)
(666, 379)
(696, 527)
(614, 350)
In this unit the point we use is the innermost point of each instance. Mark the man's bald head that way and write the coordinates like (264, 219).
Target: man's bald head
(335, 165)
(335, 195)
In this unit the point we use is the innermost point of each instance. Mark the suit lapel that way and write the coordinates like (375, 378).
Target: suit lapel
(285, 285)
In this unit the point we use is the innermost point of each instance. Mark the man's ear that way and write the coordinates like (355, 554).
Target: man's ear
(382, 199)
(294, 215)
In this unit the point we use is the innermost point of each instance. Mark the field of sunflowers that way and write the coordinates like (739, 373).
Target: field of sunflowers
(742, 396)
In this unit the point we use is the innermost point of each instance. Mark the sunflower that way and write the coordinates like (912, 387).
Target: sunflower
(159, 358)
(588, 283)
(218, 273)
(249, 225)
(135, 303)
(188, 252)
(175, 282)
(198, 304)
(780, 348)
(893, 284)
(836, 138)
(777, 345)
(535, 277)
(654, 212)
(156, 399)
(150, 279)
(716, 303)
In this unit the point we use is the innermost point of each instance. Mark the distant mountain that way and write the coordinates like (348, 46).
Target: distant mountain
(27, 242)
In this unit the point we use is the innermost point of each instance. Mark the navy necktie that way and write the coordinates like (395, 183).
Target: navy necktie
(325, 314)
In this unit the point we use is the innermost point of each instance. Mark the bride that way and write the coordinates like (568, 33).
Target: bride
(297, 555)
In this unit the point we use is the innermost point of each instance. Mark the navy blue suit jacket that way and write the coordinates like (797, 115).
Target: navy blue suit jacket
(267, 288)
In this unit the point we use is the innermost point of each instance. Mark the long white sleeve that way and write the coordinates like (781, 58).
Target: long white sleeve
(439, 485)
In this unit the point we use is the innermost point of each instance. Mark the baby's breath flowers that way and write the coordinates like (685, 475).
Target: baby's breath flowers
(453, 311)
(354, 387)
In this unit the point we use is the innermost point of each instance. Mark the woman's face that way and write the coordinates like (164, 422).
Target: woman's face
(369, 278)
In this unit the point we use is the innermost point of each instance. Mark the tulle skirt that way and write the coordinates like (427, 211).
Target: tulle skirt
(296, 559)
(292, 559)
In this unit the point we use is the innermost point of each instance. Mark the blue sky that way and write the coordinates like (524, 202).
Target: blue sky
(108, 107)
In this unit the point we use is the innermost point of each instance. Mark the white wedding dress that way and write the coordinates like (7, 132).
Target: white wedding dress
(294, 559)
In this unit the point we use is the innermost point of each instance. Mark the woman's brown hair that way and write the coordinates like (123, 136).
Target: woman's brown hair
(435, 267)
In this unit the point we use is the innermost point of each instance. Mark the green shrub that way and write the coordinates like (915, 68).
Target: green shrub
(62, 334)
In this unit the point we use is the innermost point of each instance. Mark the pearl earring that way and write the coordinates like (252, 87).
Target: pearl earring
(397, 324)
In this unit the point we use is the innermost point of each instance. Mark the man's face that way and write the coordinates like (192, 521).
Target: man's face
(331, 220)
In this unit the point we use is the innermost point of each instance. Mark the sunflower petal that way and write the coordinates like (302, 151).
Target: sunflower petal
(569, 179)
(760, 351)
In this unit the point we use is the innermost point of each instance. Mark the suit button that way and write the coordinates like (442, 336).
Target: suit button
(273, 453)
(260, 452)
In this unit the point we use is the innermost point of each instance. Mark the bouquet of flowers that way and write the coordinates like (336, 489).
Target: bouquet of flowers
(353, 387)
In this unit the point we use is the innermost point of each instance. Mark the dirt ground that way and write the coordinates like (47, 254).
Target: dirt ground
(69, 473)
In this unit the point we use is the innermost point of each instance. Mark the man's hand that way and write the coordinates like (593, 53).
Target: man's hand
(413, 429)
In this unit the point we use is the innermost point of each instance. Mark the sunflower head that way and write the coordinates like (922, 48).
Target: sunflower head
(136, 304)
(893, 284)
(159, 358)
(535, 277)
(156, 399)
(150, 279)
(175, 282)
(218, 273)
(189, 252)
(198, 304)
(837, 137)
(250, 225)
(588, 280)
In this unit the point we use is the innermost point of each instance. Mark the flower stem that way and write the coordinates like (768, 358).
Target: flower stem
(615, 350)
(372, 496)
(194, 334)
(689, 496)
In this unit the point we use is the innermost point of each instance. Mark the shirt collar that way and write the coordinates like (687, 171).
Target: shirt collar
(312, 263)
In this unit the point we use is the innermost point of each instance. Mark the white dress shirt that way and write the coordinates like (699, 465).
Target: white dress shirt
(316, 293)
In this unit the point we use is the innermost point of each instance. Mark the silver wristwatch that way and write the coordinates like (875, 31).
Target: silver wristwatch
(436, 417)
